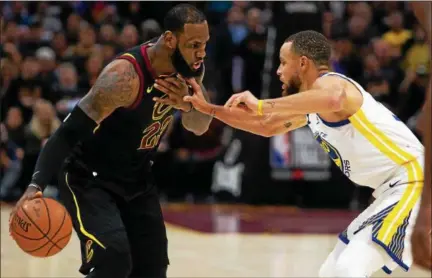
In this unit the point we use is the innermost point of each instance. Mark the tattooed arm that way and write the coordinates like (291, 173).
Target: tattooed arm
(194, 120)
(117, 86)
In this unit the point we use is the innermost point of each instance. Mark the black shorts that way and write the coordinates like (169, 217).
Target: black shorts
(104, 220)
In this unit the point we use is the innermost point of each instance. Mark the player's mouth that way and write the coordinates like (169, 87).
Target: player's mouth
(284, 86)
(197, 65)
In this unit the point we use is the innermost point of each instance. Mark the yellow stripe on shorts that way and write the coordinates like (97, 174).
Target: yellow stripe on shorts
(82, 229)
(415, 174)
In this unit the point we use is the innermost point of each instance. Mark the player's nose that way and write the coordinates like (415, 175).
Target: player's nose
(201, 54)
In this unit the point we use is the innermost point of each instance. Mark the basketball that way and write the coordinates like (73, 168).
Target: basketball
(41, 227)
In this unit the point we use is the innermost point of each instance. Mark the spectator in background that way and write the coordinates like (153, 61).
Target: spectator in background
(129, 37)
(10, 33)
(15, 126)
(34, 39)
(73, 28)
(47, 61)
(150, 29)
(252, 50)
(388, 59)
(110, 16)
(398, 35)
(418, 53)
(227, 38)
(109, 51)
(67, 93)
(93, 67)
(107, 34)
(59, 44)
(43, 124)
(134, 16)
(10, 165)
(9, 73)
(86, 44)
(345, 59)
(29, 92)
(373, 80)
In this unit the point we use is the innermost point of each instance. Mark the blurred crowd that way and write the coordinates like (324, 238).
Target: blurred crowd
(52, 52)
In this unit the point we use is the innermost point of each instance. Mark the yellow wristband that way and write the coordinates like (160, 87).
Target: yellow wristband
(260, 108)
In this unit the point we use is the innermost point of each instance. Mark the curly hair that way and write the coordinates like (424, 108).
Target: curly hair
(311, 44)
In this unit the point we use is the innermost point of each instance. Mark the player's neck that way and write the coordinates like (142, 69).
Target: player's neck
(311, 77)
(160, 60)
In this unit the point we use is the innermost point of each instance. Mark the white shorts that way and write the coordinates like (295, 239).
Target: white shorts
(392, 217)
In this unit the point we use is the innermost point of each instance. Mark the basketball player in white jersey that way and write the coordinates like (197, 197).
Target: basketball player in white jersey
(371, 146)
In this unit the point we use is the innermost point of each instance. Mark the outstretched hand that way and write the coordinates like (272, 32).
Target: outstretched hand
(197, 99)
(245, 101)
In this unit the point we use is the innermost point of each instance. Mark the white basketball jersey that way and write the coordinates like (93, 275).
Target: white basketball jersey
(373, 147)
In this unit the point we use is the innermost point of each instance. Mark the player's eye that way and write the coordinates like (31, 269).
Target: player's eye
(196, 45)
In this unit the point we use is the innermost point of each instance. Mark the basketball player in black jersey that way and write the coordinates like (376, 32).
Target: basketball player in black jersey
(102, 151)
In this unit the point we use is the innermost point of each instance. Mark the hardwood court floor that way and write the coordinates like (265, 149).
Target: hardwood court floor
(231, 241)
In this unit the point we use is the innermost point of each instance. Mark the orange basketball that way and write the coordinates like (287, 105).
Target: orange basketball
(42, 227)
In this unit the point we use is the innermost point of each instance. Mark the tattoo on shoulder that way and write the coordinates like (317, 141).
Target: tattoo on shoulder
(115, 87)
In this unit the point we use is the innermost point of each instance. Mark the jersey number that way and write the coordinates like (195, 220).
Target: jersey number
(153, 133)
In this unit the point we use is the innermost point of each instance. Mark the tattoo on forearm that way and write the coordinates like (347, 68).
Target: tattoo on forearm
(287, 124)
(271, 103)
(114, 88)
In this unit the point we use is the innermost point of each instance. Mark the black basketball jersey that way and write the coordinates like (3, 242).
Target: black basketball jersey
(121, 148)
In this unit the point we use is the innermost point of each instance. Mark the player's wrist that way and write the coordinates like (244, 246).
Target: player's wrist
(260, 107)
(188, 107)
(34, 186)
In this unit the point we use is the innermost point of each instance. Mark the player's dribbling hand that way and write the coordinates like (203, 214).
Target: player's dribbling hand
(175, 88)
(245, 101)
(421, 239)
(30, 194)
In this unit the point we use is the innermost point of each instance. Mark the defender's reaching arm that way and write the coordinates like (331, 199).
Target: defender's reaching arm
(328, 94)
(267, 126)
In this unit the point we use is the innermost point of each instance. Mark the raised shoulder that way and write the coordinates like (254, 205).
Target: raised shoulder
(330, 82)
(349, 94)
(117, 86)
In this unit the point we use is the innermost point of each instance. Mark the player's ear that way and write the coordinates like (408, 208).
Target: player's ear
(170, 40)
(304, 62)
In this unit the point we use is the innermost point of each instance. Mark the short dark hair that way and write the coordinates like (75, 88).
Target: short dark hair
(180, 15)
(311, 44)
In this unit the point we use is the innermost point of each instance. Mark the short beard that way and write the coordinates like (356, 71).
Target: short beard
(182, 67)
(292, 88)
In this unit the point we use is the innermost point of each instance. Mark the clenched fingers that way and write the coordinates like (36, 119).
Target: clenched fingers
(231, 100)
